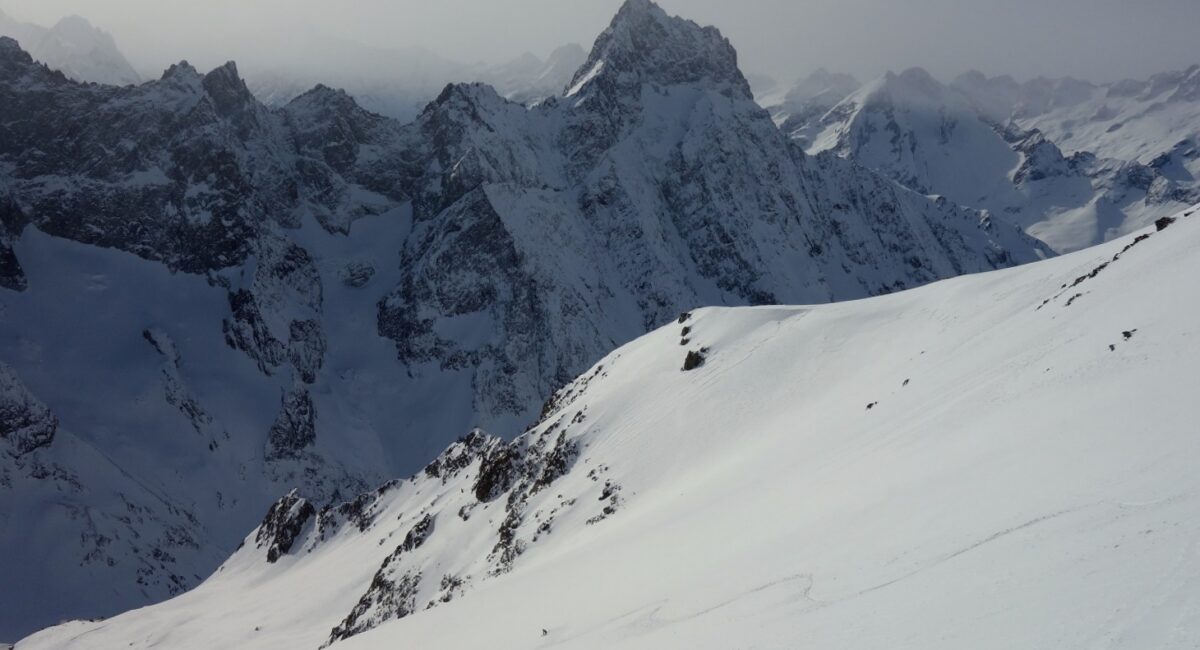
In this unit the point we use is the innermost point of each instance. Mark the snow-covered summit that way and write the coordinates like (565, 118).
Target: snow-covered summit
(645, 45)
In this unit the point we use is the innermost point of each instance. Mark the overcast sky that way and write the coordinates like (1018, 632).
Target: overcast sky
(1095, 39)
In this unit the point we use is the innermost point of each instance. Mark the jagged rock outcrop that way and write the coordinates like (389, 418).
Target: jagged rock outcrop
(283, 524)
(500, 477)
(26, 424)
(295, 429)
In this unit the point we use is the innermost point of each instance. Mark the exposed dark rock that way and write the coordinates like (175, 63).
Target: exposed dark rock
(385, 600)
(357, 274)
(248, 332)
(497, 473)
(295, 428)
(558, 461)
(306, 349)
(283, 524)
(459, 455)
(26, 424)
(419, 533)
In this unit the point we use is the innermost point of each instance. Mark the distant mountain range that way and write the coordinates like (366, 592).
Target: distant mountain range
(1073, 162)
(74, 47)
(399, 83)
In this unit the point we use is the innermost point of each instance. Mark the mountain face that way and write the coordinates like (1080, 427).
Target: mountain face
(316, 297)
(795, 454)
(951, 141)
(75, 48)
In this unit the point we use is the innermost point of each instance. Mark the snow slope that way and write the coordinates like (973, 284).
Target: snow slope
(994, 461)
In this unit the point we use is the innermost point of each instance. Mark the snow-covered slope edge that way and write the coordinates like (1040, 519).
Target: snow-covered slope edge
(999, 460)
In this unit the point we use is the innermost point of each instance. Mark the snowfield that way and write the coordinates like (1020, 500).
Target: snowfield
(1004, 460)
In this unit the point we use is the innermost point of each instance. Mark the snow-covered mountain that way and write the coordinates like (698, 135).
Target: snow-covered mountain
(944, 140)
(1000, 460)
(529, 79)
(810, 99)
(75, 48)
(1155, 122)
(210, 302)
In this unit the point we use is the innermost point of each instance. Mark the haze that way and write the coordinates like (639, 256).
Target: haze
(1101, 40)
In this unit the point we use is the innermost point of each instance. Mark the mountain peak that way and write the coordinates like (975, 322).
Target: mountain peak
(911, 85)
(74, 21)
(181, 69)
(917, 75)
(645, 45)
(226, 88)
(326, 97)
(9, 45)
(568, 50)
(11, 53)
(641, 7)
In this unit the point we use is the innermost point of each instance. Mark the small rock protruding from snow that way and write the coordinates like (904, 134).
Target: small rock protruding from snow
(283, 524)
(694, 359)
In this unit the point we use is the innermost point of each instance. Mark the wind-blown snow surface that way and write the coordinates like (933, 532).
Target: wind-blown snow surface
(1000, 460)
